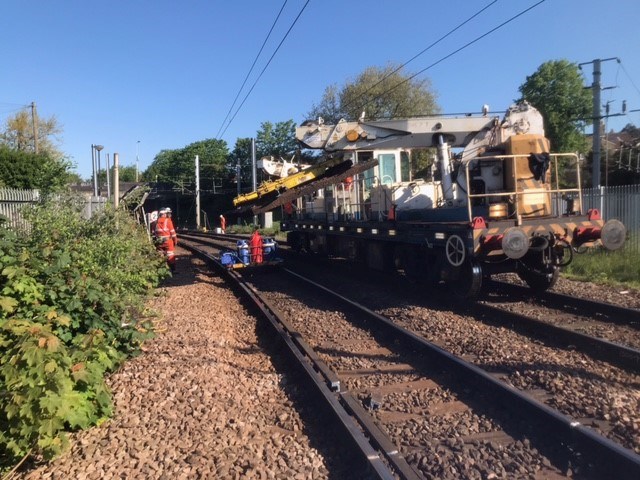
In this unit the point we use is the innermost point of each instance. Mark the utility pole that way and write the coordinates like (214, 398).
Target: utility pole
(197, 193)
(108, 178)
(95, 170)
(597, 116)
(116, 180)
(34, 121)
(137, 162)
(254, 172)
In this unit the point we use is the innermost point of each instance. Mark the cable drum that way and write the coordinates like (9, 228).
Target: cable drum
(515, 243)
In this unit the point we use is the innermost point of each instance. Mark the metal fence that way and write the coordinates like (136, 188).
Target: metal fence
(622, 203)
(12, 201)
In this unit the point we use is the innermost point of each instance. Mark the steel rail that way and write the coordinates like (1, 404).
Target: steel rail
(317, 373)
(622, 356)
(614, 313)
(612, 458)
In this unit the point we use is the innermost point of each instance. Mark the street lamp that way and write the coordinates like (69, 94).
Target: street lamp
(93, 169)
(98, 148)
(137, 161)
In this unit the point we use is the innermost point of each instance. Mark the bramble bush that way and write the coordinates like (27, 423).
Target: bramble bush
(72, 297)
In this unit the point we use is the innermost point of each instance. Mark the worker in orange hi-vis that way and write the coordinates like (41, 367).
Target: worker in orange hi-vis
(223, 223)
(289, 208)
(255, 244)
(166, 237)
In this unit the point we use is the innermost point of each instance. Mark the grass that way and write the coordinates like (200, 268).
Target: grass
(611, 268)
(273, 231)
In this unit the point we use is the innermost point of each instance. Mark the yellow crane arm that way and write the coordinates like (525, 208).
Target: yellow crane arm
(287, 183)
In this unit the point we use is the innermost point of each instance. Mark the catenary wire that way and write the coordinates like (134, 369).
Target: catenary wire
(265, 67)
(629, 77)
(251, 69)
(466, 45)
(450, 32)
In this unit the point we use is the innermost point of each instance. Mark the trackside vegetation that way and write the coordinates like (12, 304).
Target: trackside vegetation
(72, 295)
(620, 268)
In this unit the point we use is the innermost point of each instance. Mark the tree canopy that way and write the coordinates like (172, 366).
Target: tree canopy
(20, 169)
(273, 139)
(178, 166)
(18, 134)
(20, 166)
(277, 139)
(556, 89)
(378, 92)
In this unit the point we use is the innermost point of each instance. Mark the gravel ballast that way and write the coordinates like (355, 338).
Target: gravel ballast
(203, 400)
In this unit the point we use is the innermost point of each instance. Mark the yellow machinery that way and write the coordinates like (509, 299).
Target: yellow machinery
(287, 183)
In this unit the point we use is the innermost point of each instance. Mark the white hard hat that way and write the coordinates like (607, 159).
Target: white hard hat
(168, 210)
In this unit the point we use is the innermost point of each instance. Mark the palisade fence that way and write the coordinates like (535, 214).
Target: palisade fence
(13, 200)
(622, 203)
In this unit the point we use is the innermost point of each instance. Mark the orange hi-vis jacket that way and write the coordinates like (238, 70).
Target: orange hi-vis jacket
(256, 248)
(164, 229)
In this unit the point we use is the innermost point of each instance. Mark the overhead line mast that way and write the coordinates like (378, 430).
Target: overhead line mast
(597, 116)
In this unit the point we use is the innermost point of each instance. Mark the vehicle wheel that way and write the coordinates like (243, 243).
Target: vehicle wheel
(538, 281)
(469, 282)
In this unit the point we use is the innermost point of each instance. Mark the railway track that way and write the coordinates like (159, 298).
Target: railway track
(458, 419)
(602, 330)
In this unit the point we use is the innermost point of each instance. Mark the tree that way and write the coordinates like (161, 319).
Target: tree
(273, 139)
(18, 134)
(74, 178)
(278, 140)
(378, 92)
(241, 155)
(632, 130)
(329, 108)
(127, 173)
(178, 166)
(556, 90)
(21, 169)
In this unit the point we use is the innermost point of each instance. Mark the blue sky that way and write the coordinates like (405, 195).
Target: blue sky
(165, 73)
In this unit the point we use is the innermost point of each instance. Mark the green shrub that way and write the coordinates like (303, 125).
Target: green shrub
(72, 294)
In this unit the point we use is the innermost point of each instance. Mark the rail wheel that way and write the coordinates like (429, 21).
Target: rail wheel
(469, 281)
(413, 261)
(538, 280)
(295, 241)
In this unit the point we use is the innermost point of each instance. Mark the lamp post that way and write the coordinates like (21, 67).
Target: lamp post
(98, 148)
(137, 161)
(93, 169)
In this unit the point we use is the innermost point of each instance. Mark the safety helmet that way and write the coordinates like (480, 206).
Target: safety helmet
(168, 210)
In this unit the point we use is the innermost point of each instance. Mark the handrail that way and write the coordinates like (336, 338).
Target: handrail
(517, 194)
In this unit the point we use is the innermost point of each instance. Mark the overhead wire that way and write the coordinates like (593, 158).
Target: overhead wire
(267, 65)
(251, 69)
(11, 107)
(629, 77)
(450, 32)
(466, 45)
